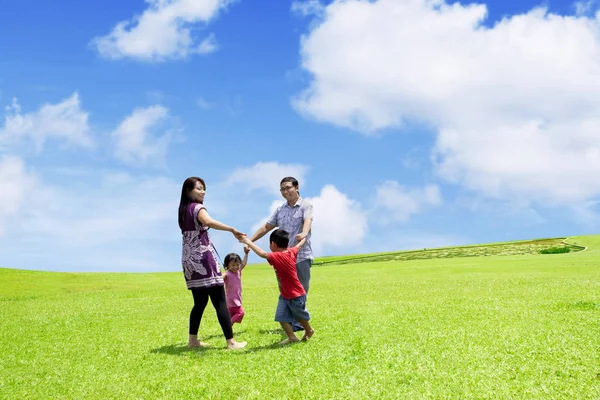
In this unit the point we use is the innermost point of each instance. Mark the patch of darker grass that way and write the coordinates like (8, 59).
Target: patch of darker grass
(555, 250)
(580, 306)
(586, 305)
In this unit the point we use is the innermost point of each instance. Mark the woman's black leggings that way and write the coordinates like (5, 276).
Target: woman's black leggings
(217, 297)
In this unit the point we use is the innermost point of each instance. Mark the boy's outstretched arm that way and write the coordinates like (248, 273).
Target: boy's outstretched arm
(300, 243)
(259, 252)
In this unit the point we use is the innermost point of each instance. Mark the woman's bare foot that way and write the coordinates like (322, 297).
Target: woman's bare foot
(308, 335)
(288, 341)
(233, 345)
(197, 343)
(194, 342)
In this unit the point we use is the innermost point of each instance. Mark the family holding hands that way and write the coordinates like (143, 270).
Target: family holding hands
(290, 255)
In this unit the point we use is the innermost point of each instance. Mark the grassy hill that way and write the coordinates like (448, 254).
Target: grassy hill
(496, 321)
(522, 247)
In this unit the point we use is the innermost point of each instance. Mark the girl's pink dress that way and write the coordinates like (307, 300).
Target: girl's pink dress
(233, 295)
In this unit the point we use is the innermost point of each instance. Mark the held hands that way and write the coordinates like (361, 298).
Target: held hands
(301, 236)
(238, 235)
(245, 240)
(246, 249)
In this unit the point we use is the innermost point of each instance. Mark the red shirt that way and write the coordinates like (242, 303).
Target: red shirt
(284, 264)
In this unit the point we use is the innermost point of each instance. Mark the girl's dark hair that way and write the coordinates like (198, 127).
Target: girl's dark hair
(188, 185)
(229, 258)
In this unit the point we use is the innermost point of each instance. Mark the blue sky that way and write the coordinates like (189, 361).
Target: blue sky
(409, 123)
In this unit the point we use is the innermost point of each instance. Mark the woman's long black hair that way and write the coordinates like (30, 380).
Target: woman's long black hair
(188, 185)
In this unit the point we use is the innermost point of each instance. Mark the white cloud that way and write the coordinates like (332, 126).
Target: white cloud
(413, 240)
(14, 182)
(267, 176)
(413, 160)
(339, 222)
(158, 96)
(64, 121)
(502, 210)
(163, 31)
(133, 139)
(112, 211)
(204, 104)
(394, 202)
(308, 7)
(208, 45)
(103, 221)
(588, 214)
(515, 105)
(584, 7)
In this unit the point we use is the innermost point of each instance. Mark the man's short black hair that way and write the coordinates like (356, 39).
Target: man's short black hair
(281, 238)
(290, 179)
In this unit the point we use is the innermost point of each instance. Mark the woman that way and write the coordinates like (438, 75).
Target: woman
(200, 267)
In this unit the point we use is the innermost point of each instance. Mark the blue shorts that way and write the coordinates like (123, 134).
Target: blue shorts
(291, 310)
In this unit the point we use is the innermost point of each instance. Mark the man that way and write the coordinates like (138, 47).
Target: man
(294, 216)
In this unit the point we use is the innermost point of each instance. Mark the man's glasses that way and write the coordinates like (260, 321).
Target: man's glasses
(285, 188)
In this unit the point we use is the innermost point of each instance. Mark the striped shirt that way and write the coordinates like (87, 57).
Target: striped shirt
(291, 219)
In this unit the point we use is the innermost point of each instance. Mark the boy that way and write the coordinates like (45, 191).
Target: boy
(292, 299)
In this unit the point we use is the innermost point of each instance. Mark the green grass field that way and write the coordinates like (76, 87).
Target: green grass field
(468, 325)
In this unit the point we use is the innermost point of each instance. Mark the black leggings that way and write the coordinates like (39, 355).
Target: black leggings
(217, 297)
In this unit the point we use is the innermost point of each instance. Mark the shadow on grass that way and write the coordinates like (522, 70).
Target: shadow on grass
(219, 335)
(272, 331)
(272, 346)
(182, 350)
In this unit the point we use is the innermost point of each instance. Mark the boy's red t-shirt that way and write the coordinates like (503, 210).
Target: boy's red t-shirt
(284, 264)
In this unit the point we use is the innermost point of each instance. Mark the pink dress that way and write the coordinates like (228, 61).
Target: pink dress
(233, 295)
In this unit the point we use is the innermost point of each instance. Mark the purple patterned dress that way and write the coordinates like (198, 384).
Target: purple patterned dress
(200, 266)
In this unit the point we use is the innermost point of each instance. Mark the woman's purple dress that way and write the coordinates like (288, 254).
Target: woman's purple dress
(200, 266)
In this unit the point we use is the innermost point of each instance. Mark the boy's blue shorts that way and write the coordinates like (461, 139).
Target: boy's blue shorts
(291, 310)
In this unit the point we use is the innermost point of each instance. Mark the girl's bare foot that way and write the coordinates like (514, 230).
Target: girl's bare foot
(233, 345)
(288, 341)
(308, 335)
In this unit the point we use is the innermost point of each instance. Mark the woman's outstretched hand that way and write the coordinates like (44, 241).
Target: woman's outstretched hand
(238, 235)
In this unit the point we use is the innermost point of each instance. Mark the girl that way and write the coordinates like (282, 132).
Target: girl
(233, 284)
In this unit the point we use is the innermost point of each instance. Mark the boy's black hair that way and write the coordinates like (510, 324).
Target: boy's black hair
(229, 258)
(281, 238)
